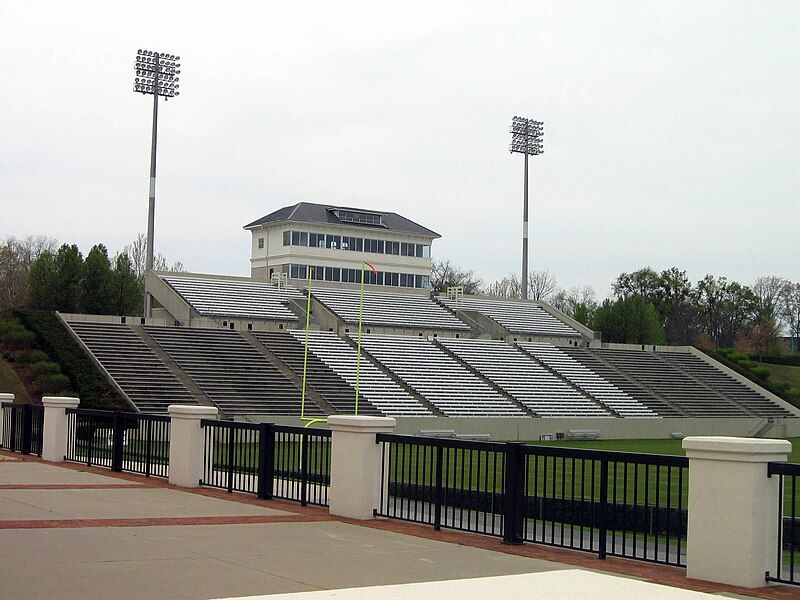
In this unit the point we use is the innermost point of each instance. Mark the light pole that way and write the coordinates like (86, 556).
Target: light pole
(526, 139)
(156, 74)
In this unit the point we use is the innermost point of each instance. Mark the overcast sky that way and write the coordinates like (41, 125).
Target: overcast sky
(671, 129)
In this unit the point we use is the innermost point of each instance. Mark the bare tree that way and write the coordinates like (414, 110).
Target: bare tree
(444, 275)
(16, 257)
(137, 252)
(790, 309)
(541, 285)
(507, 287)
(768, 293)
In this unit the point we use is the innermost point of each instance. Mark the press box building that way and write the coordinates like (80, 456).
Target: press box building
(334, 240)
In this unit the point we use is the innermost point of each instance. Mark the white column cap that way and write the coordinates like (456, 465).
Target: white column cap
(61, 401)
(191, 411)
(361, 424)
(736, 449)
(7, 397)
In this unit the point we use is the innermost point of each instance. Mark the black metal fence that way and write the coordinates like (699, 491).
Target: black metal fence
(121, 441)
(787, 561)
(23, 425)
(610, 503)
(272, 461)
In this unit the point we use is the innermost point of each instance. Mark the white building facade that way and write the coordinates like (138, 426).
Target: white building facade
(333, 242)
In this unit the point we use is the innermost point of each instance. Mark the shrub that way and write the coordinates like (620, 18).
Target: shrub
(19, 339)
(36, 356)
(50, 383)
(760, 372)
(45, 367)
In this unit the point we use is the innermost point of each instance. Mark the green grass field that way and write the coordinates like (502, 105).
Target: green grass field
(787, 373)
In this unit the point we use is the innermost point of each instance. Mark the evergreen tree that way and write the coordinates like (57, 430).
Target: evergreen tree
(97, 282)
(630, 320)
(68, 276)
(126, 294)
(41, 282)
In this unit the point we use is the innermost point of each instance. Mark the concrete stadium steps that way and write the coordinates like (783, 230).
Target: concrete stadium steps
(237, 378)
(134, 367)
(725, 384)
(636, 391)
(438, 377)
(523, 378)
(671, 383)
(587, 380)
(234, 298)
(374, 385)
(386, 309)
(333, 389)
(516, 316)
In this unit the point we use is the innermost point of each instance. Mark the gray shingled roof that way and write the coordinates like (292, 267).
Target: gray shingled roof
(306, 212)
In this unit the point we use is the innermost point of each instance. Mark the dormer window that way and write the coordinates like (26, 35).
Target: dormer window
(362, 218)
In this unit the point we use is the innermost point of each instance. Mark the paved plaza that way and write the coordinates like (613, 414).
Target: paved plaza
(72, 532)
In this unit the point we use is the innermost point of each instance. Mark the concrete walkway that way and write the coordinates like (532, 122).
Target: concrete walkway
(72, 532)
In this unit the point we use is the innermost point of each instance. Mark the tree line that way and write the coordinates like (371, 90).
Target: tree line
(37, 273)
(651, 307)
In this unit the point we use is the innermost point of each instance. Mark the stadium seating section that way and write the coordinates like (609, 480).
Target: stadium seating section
(443, 372)
(390, 310)
(134, 367)
(236, 376)
(235, 298)
(438, 377)
(526, 318)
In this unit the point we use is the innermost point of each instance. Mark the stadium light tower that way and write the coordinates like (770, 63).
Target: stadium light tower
(526, 139)
(156, 74)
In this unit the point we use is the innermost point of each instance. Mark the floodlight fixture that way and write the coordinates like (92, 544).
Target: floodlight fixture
(156, 73)
(527, 138)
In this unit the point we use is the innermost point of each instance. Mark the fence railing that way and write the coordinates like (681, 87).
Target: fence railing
(271, 461)
(787, 560)
(610, 503)
(23, 426)
(121, 441)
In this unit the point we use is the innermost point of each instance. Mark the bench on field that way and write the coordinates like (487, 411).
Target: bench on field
(438, 433)
(583, 434)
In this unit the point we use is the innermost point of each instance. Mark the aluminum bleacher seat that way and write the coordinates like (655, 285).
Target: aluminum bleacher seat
(374, 385)
(672, 384)
(725, 384)
(386, 309)
(134, 367)
(587, 380)
(517, 316)
(525, 379)
(231, 372)
(319, 377)
(636, 391)
(235, 298)
(438, 377)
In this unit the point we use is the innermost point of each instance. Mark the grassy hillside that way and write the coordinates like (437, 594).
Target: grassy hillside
(785, 373)
(10, 382)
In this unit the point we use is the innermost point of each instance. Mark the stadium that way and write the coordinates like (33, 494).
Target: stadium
(301, 335)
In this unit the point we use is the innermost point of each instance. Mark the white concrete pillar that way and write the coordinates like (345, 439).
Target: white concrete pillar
(54, 432)
(186, 443)
(733, 508)
(4, 398)
(355, 488)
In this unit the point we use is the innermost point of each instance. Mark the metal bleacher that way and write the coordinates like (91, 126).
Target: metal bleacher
(438, 377)
(529, 382)
(374, 385)
(327, 383)
(386, 309)
(234, 375)
(636, 391)
(517, 316)
(235, 298)
(671, 383)
(134, 367)
(587, 380)
(725, 384)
